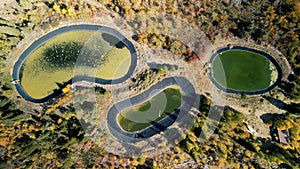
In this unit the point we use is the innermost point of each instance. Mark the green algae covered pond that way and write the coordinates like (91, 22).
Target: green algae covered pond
(93, 52)
(143, 115)
(243, 70)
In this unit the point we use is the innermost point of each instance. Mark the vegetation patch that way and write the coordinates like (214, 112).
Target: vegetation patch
(145, 114)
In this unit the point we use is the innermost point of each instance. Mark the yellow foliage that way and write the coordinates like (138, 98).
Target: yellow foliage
(192, 137)
(9, 147)
(66, 89)
(236, 166)
(142, 159)
(134, 162)
(190, 146)
(56, 7)
(51, 109)
(64, 11)
(31, 127)
(17, 123)
(206, 147)
(59, 120)
(32, 136)
(248, 154)
(50, 155)
(52, 127)
(48, 111)
(295, 144)
(298, 7)
(73, 114)
(19, 98)
(4, 142)
(71, 12)
(177, 149)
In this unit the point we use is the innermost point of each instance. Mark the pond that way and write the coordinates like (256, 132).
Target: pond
(244, 70)
(84, 52)
(151, 111)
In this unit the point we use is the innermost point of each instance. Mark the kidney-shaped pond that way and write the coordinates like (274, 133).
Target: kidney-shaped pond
(152, 111)
(143, 115)
(244, 70)
(73, 53)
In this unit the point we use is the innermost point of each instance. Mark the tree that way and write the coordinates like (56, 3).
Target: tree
(56, 8)
(243, 96)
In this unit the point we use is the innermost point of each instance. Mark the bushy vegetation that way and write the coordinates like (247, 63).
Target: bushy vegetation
(146, 78)
(39, 139)
(163, 41)
(233, 146)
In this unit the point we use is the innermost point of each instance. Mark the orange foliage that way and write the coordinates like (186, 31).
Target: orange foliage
(298, 7)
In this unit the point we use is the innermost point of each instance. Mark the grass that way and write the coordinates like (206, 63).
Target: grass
(242, 70)
(143, 115)
(53, 62)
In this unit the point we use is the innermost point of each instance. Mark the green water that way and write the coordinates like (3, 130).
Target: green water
(141, 116)
(54, 62)
(242, 70)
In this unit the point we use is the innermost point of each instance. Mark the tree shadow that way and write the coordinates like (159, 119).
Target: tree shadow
(113, 41)
(158, 66)
(270, 117)
(50, 5)
(100, 90)
(60, 85)
(290, 88)
(292, 108)
(278, 103)
(158, 126)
